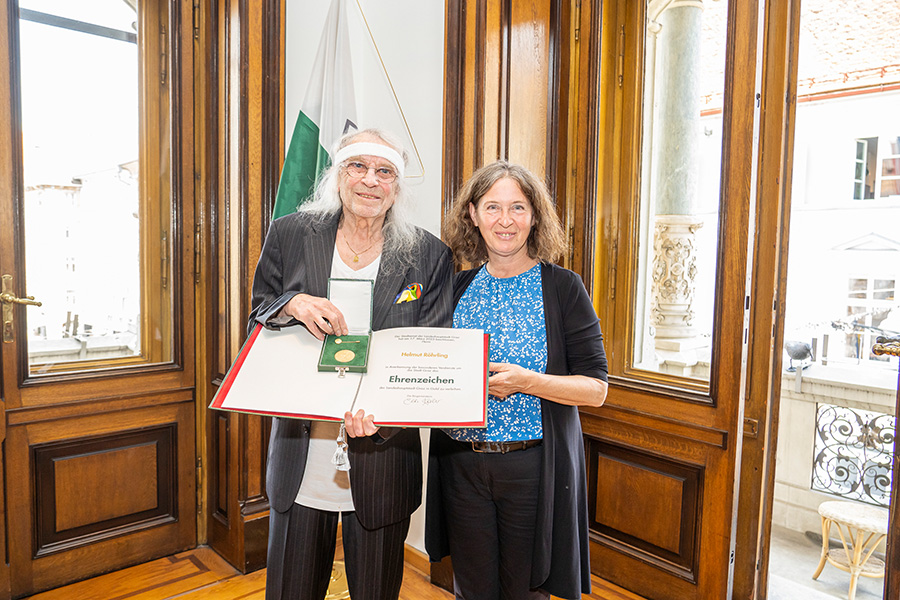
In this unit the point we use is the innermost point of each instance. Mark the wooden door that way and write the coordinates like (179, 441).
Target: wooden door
(582, 83)
(96, 199)
(677, 186)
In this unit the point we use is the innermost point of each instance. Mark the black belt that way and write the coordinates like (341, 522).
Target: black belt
(504, 447)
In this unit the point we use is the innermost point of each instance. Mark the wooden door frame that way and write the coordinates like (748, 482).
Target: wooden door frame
(892, 560)
(772, 220)
(761, 426)
(8, 184)
(242, 126)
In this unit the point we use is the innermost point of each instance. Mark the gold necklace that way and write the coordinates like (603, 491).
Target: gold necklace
(355, 253)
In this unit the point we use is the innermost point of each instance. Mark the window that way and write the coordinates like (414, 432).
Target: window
(680, 167)
(877, 168)
(890, 168)
(95, 165)
(861, 188)
(870, 303)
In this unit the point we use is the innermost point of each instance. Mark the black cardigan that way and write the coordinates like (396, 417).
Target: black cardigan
(561, 564)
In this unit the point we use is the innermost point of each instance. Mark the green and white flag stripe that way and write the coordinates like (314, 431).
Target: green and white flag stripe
(327, 112)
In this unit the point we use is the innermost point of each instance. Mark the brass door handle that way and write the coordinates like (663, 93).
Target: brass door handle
(886, 345)
(10, 299)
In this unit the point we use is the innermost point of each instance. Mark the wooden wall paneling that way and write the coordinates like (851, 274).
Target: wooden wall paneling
(107, 490)
(619, 513)
(473, 88)
(492, 37)
(621, 49)
(649, 487)
(688, 509)
(128, 475)
(250, 52)
(559, 66)
(527, 107)
(507, 88)
(454, 98)
(205, 258)
(608, 142)
(223, 531)
(773, 201)
(581, 208)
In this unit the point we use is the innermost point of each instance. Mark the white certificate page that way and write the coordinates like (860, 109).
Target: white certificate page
(426, 376)
(417, 376)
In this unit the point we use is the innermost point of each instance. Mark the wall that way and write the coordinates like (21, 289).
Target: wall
(410, 38)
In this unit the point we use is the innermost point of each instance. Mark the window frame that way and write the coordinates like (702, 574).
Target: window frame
(874, 162)
(623, 231)
(157, 207)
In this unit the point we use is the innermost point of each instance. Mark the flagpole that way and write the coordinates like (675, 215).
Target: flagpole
(391, 85)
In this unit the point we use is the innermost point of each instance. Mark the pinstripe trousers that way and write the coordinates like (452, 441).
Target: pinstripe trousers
(306, 539)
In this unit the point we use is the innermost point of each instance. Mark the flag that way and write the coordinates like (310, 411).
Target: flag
(327, 112)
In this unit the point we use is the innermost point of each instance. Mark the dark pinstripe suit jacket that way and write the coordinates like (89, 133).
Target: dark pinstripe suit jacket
(386, 469)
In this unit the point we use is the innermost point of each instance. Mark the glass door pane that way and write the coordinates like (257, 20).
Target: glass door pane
(684, 78)
(90, 229)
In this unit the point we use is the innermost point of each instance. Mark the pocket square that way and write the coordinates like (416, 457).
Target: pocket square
(412, 292)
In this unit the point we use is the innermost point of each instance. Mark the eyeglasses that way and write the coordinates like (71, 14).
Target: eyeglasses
(358, 170)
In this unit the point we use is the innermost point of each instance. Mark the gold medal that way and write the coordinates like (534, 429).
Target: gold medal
(344, 355)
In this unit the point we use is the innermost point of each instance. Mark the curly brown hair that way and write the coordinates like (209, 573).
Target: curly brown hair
(546, 242)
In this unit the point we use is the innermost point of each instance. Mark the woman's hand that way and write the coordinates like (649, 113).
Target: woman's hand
(508, 379)
(319, 315)
(360, 424)
(572, 390)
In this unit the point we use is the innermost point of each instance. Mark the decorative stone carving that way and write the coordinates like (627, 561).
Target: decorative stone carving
(673, 275)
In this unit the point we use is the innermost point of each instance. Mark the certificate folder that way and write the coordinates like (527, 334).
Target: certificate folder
(417, 377)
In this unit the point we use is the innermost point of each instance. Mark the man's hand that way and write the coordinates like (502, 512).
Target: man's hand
(360, 424)
(320, 316)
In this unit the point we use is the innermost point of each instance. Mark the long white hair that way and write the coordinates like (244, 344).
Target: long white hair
(400, 235)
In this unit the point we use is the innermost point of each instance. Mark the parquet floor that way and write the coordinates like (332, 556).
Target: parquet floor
(201, 574)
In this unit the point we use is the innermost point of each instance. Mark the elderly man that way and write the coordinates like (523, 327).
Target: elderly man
(356, 226)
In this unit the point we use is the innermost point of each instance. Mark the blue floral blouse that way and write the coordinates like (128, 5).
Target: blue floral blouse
(511, 310)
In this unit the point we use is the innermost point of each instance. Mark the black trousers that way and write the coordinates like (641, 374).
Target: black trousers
(490, 503)
(301, 554)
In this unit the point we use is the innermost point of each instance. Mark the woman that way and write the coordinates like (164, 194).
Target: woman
(355, 227)
(508, 503)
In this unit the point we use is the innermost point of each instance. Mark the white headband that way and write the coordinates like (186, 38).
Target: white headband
(371, 149)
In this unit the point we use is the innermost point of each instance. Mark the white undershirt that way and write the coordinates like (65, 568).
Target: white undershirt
(323, 486)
